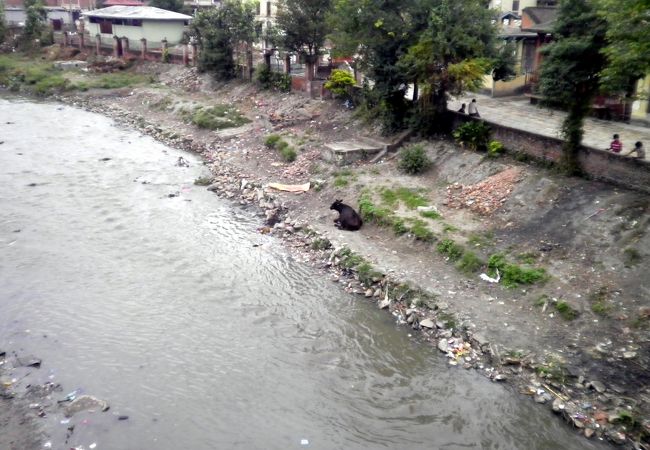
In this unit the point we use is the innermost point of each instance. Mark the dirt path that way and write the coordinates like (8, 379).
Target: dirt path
(577, 342)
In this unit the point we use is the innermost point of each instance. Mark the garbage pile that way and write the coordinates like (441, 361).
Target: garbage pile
(487, 196)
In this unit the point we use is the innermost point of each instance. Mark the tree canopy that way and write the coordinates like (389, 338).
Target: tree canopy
(220, 32)
(302, 25)
(628, 42)
(169, 5)
(569, 75)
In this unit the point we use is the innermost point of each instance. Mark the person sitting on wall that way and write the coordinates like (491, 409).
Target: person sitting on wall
(472, 110)
(462, 108)
(616, 145)
(638, 149)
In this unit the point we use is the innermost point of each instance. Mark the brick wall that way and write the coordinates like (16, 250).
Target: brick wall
(600, 164)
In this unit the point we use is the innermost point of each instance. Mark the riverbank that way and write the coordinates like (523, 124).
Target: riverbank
(588, 371)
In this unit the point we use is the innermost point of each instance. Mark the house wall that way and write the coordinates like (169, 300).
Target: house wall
(506, 5)
(15, 16)
(154, 31)
(599, 164)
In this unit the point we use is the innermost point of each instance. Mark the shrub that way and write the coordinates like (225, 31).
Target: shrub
(217, 117)
(340, 82)
(321, 244)
(565, 310)
(288, 154)
(469, 263)
(414, 160)
(474, 134)
(281, 145)
(422, 232)
(269, 80)
(513, 275)
(449, 248)
(272, 140)
(495, 148)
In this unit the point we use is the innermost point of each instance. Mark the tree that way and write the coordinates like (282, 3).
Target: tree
(628, 46)
(169, 5)
(35, 22)
(378, 33)
(302, 24)
(3, 27)
(221, 32)
(569, 76)
(452, 55)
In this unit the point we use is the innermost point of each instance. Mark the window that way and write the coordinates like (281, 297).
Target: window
(105, 27)
(515, 5)
(268, 8)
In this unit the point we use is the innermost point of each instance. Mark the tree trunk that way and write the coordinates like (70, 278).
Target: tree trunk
(572, 131)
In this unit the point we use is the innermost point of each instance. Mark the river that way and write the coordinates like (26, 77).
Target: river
(205, 333)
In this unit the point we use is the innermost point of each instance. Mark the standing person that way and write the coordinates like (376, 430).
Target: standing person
(616, 145)
(462, 108)
(638, 148)
(472, 110)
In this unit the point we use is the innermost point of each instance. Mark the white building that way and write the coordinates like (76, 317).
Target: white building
(136, 23)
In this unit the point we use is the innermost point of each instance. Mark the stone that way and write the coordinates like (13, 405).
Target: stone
(557, 405)
(500, 377)
(629, 355)
(83, 403)
(589, 432)
(427, 323)
(598, 386)
(540, 399)
(377, 293)
(616, 437)
(368, 293)
(384, 304)
(443, 346)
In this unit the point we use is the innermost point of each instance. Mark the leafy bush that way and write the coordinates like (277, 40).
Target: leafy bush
(272, 140)
(340, 82)
(513, 275)
(269, 80)
(474, 134)
(414, 160)
(495, 148)
(449, 248)
(217, 117)
(288, 154)
(469, 263)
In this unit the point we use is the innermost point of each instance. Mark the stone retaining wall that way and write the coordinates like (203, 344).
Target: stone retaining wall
(600, 164)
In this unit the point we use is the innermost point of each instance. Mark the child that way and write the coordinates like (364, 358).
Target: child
(616, 146)
(638, 148)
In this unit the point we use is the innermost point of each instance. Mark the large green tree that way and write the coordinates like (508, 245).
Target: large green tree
(221, 32)
(3, 27)
(303, 25)
(453, 54)
(628, 42)
(569, 76)
(169, 5)
(34, 23)
(378, 33)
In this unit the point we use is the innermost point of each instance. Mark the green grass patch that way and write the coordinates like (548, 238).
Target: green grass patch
(216, 117)
(367, 274)
(449, 228)
(481, 240)
(320, 244)
(288, 154)
(553, 369)
(450, 249)
(513, 275)
(421, 232)
(528, 257)
(469, 263)
(435, 215)
(409, 197)
(631, 257)
(565, 310)
(370, 212)
(349, 259)
(600, 301)
(272, 140)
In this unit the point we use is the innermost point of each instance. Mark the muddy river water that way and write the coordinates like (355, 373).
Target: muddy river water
(205, 333)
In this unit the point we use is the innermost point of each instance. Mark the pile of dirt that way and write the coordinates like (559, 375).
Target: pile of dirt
(488, 195)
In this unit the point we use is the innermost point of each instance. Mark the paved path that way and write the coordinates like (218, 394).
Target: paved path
(517, 112)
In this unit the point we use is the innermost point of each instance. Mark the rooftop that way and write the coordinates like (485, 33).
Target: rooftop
(136, 12)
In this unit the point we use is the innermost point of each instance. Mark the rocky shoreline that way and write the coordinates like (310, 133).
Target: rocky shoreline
(588, 405)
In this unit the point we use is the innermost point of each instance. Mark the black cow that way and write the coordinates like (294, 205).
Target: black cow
(348, 218)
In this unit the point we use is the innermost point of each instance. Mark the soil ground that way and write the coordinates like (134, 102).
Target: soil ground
(590, 237)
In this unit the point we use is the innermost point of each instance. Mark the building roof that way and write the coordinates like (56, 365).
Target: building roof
(136, 12)
(123, 3)
(542, 18)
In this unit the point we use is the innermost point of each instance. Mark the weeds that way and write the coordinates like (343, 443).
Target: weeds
(320, 244)
(469, 263)
(450, 249)
(435, 215)
(631, 257)
(421, 232)
(600, 301)
(565, 310)
(203, 181)
(271, 140)
(414, 160)
(513, 275)
(216, 117)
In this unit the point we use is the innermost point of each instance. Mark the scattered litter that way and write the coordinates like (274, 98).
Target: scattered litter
(290, 187)
(65, 421)
(122, 417)
(489, 279)
(304, 441)
(182, 162)
(48, 444)
(91, 446)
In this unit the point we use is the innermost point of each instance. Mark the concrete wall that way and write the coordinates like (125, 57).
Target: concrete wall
(599, 164)
(15, 16)
(506, 5)
(641, 107)
(153, 31)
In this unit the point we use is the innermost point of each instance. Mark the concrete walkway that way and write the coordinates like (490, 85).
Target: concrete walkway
(517, 112)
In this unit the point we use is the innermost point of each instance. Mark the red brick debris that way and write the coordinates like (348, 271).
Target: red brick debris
(488, 195)
(300, 168)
